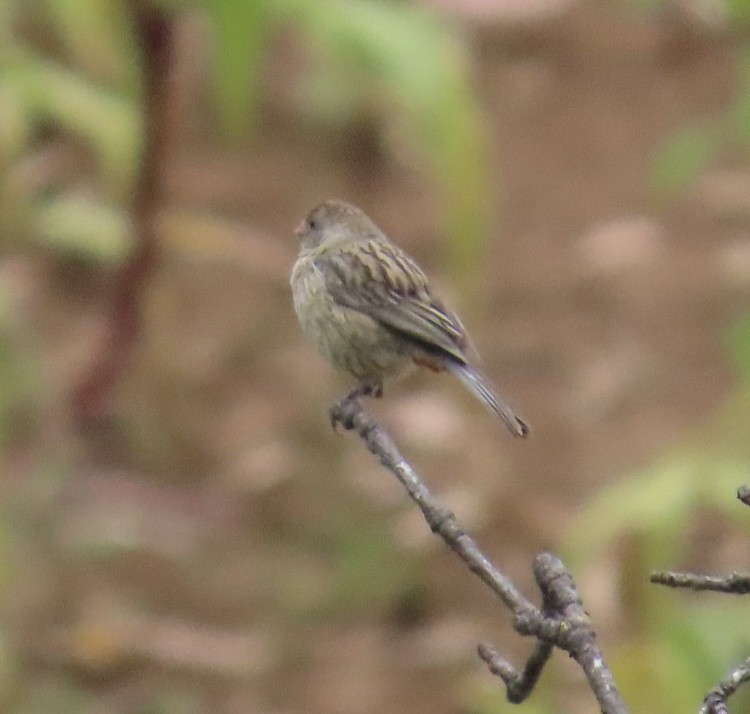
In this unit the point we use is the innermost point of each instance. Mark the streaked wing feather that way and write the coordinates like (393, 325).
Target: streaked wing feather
(380, 280)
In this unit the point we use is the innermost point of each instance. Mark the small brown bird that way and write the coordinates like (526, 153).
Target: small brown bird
(371, 311)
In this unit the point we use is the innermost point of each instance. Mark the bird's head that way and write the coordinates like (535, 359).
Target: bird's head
(331, 223)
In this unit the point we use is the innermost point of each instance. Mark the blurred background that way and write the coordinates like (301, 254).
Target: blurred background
(182, 531)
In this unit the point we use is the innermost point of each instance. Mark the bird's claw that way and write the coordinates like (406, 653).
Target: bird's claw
(366, 389)
(342, 413)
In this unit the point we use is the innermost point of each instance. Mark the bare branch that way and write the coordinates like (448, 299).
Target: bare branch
(562, 622)
(519, 684)
(716, 700)
(734, 583)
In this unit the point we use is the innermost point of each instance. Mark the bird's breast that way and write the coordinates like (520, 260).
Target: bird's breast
(350, 339)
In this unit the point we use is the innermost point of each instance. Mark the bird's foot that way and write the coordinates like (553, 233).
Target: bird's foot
(368, 388)
(342, 412)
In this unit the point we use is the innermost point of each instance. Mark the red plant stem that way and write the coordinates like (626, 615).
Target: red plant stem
(155, 34)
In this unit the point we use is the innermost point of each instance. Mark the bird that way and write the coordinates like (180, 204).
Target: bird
(371, 311)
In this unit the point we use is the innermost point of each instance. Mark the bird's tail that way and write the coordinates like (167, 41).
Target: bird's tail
(480, 386)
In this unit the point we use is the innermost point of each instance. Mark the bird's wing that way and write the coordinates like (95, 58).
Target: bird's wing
(380, 280)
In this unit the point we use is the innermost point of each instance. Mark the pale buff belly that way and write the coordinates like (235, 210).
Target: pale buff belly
(351, 340)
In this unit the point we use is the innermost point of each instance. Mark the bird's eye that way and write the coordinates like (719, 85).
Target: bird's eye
(313, 224)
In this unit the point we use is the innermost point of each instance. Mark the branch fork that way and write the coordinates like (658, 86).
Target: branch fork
(560, 623)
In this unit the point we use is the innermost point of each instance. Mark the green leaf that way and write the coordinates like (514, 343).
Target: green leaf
(741, 110)
(98, 37)
(82, 227)
(739, 346)
(738, 9)
(655, 502)
(109, 121)
(411, 70)
(241, 32)
(14, 123)
(683, 157)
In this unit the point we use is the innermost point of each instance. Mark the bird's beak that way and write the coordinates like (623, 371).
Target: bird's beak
(299, 231)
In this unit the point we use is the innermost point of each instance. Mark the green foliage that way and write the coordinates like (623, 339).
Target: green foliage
(683, 156)
(411, 71)
(351, 570)
(696, 639)
(361, 557)
(738, 9)
(739, 347)
(393, 58)
(59, 695)
(96, 41)
(105, 120)
(486, 695)
(93, 101)
(657, 503)
(685, 652)
(241, 31)
(18, 392)
(741, 111)
(679, 644)
(82, 227)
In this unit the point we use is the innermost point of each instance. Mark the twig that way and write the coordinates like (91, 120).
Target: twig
(518, 684)
(734, 583)
(562, 622)
(716, 700)
(155, 33)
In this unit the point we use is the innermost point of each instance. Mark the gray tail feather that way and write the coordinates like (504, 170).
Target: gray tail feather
(480, 386)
